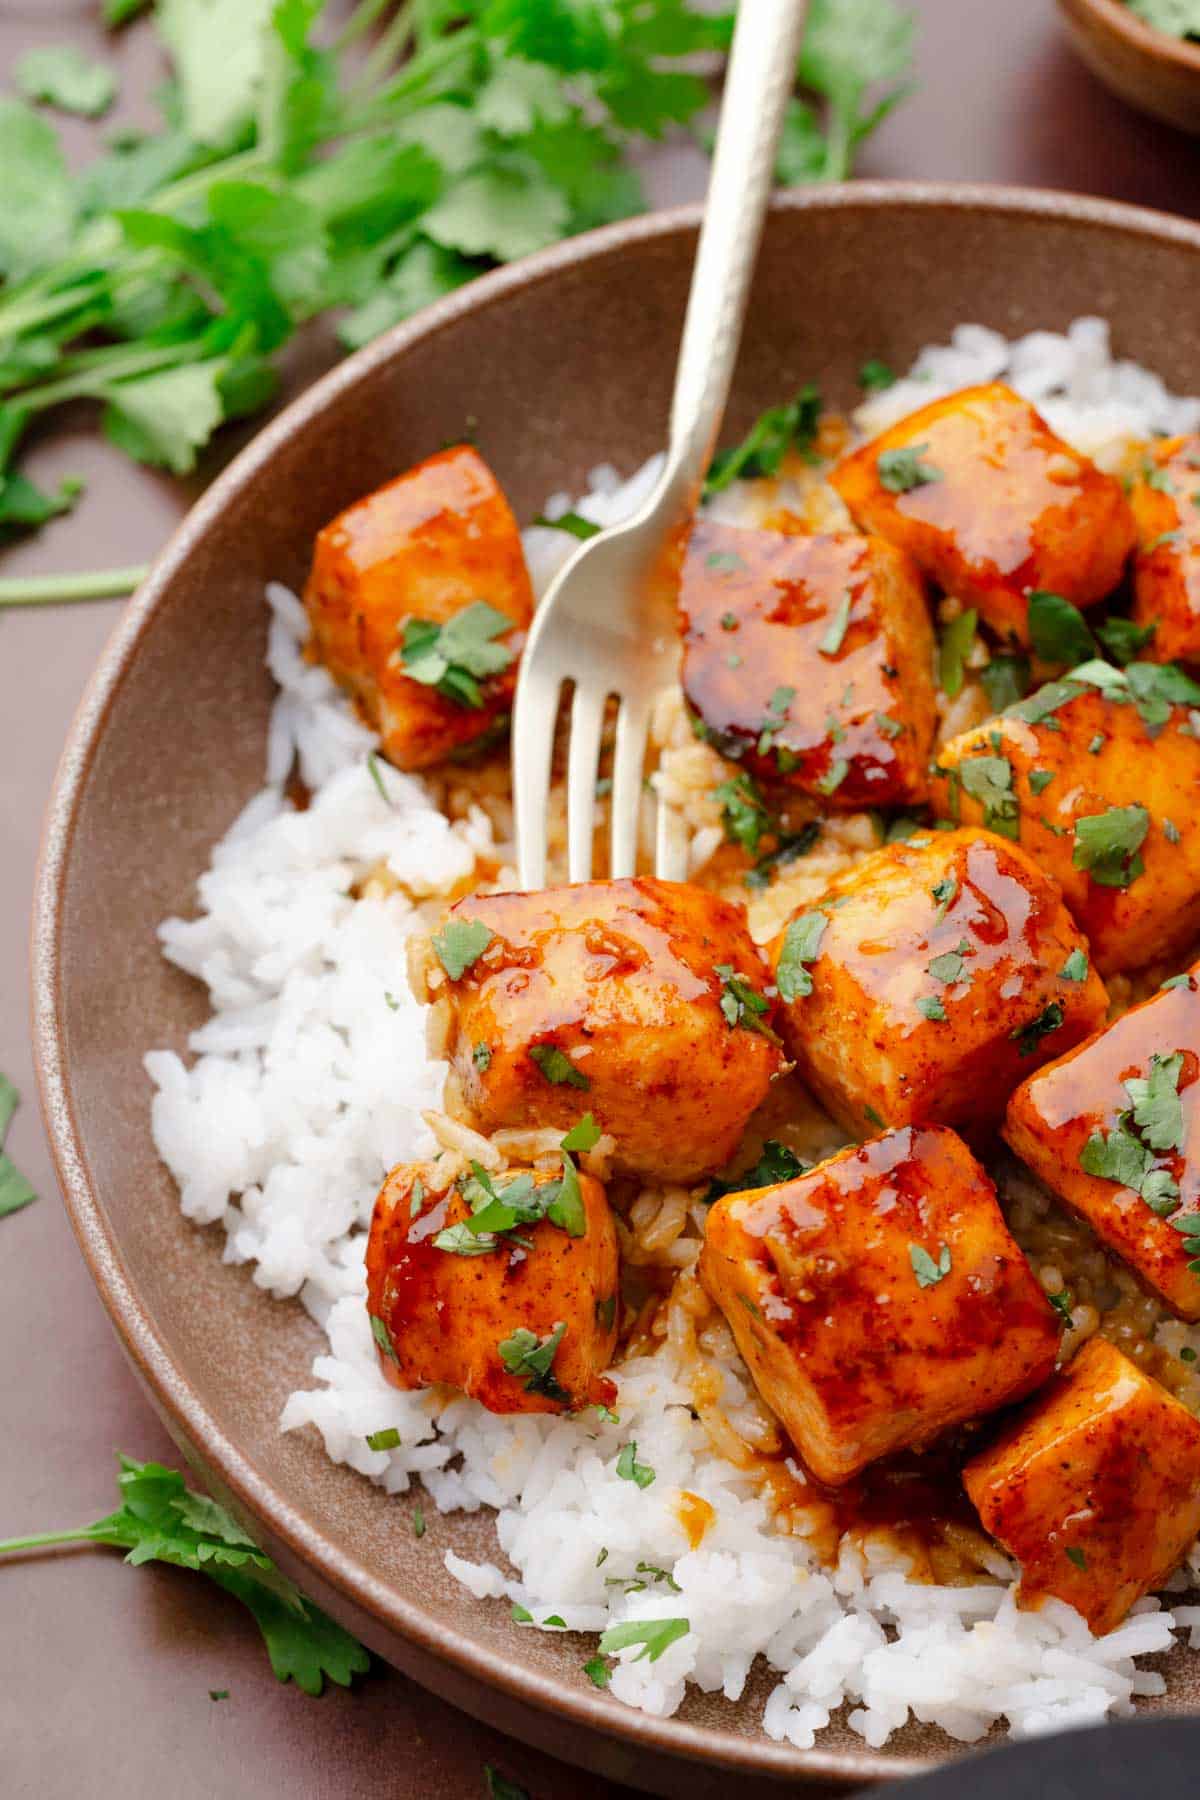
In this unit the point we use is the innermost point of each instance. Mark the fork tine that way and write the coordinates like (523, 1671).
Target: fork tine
(670, 843)
(587, 721)
(534, 719)
(628, 760)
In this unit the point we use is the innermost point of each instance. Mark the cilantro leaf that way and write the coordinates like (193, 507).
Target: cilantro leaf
(525, 1354)
(1028, 1037)
(557, 1066)
(902, 469)
(1057, 630)
(1178, 18)
(801, 946)
(1005, 681)
(956, 641)
(37, 202)
(459, 945)
(1107, 844)
(875, 377)
(776, 1164)
(774, 433)
(1118, 1157)
(1157, 1110)
(503, 211)
(931, 1008)
(573, 522)
(165, 419)
(455, 657)
(161, 1520)
(745, 815)
(839, 623)
(584, 1136)
(1076, 966)
(655, 1636)
(1123, 639)
(741, 1003)
(927, 1271)
(989, 779)
(630, 1469)
(61, 75)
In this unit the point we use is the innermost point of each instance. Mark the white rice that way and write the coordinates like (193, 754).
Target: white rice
(309, 1082)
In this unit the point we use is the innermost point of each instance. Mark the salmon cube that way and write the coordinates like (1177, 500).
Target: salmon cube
(992, 505)
(1094, 1487)
(1166, 570)
(879, 1298)
(1113, 1128)
(418, 602)
(1101, 786)
(642, 1000)
(927, 981)
(810, 661)
(523, 1317)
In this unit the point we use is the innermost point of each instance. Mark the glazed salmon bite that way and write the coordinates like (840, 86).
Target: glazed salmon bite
(641, 1000)
(1111, 1128)
(1101, 786)
(992, 505)
(1094, 1487)
(879, 1299)
(527, 1325)
(809, 659)
(418, 600)
(927, 981)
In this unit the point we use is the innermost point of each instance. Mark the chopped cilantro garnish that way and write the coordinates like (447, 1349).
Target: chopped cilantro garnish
(380, 1333)
(1039, 780)
(1097, 744)
(777, 1163)
(557, 1066)
(1178, 981)
(584, 1136)
(455, 657)
(1005, 680)
(1187, 1354)
(418, 1520)
(761, 452)
(525, 1354)
(950, 967)
(1028, 1037)
(839, 623)
(459, 944)
(801, 946)
(776, 719)
(957, 637)
(387, 1439)
(520, 1615)
(1039, 706)
(932, 1008)
(1118, 1157)
(875, 376)
(725, 562)
(791, 846)
(1057, 630)
(1107, 844)
(943, 892)
(1076, 966)
(1170, 831)
(928, 1272)
(375, 771)
(744, 813)
(573, 522)
(891, 728)
(630, 1469)
(1075, 1554)
(655, 1635)
(15, 1191)
(1123, 639)
(596, 1670)
(874, 1118)
(741, 1003)
(989, 779)
(499, 1787)
(1062, 1304)
(834, 776)
(1155, 477)
(901, 470)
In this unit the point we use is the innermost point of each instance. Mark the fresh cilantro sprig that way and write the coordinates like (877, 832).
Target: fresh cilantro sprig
(292, 177)
(160, 1519)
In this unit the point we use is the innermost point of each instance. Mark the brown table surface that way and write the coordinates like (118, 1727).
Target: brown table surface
(104, 1671)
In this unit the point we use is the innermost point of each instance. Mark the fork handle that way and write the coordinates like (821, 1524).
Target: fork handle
(759, 80)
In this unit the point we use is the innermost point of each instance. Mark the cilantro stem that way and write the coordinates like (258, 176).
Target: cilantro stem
(391, 44)
(45, 1539)
(55, 590)
(91, 380)
(360, 21)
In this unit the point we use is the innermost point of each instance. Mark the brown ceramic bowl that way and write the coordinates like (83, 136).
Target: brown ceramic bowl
(1152, 70)
(564, 361)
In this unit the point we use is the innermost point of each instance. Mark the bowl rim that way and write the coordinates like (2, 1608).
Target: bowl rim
(181, 1404)
(1115, 17)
